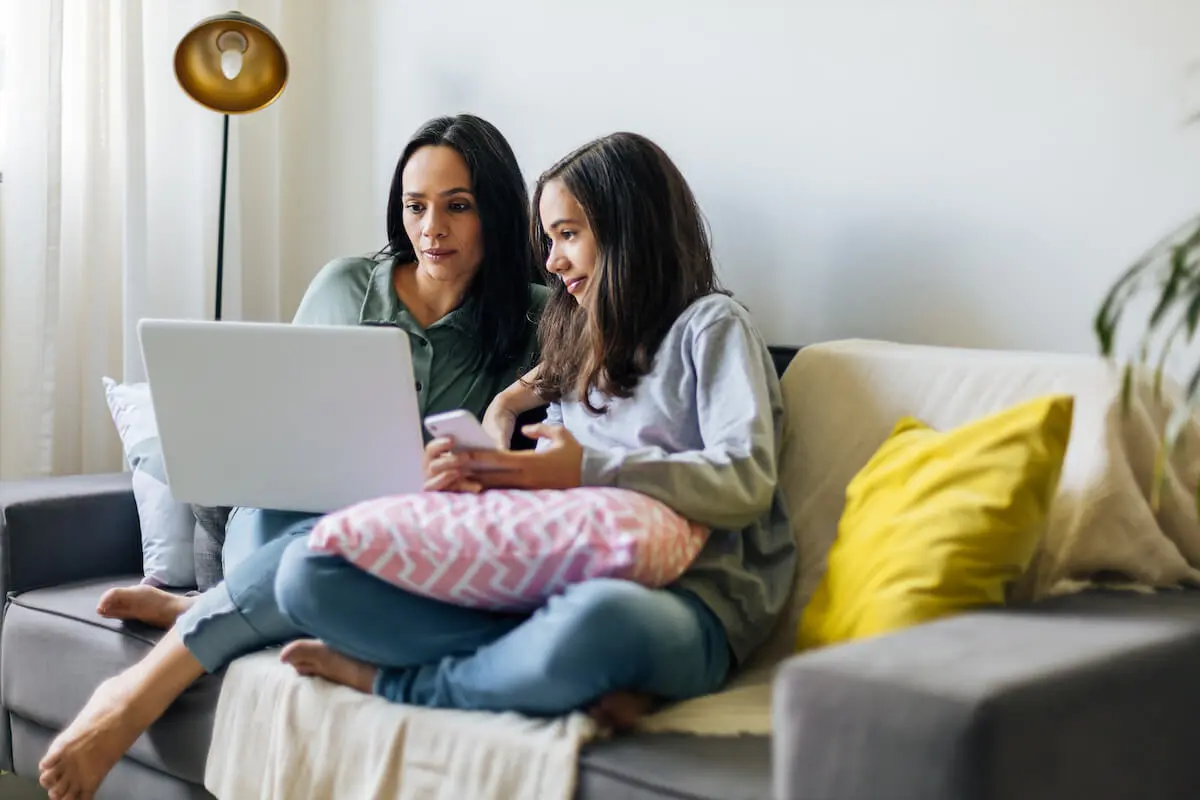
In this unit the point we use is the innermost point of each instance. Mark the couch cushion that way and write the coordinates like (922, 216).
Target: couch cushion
(56, 650)
(939, 522)
(1085, 696)
(1102, 525)
(677, 766)
(167, 525)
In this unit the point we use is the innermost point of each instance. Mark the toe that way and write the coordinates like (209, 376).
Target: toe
(108, 606)
(62, 791)
(295, 651)
(51, 760)
(65, 793)
(60, 788)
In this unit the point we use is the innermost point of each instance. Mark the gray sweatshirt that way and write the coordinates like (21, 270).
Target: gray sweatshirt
(702, 434)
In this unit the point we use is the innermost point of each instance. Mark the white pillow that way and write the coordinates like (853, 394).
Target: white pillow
(168, 526)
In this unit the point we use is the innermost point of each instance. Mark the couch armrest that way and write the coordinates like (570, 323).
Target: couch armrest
(59, 530)
(1089, 696)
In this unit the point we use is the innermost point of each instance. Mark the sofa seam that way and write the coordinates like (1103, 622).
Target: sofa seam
(14, 600)
(640, 783)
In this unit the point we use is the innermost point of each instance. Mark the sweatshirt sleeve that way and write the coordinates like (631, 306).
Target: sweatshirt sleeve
(731, 482)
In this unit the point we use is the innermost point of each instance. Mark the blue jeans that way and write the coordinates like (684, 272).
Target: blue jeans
(239, 615)
(597, 637)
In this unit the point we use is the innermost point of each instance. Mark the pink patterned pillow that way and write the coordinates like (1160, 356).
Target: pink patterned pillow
(510, 550)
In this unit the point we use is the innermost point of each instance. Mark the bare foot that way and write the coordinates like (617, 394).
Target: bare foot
(145, 604)
(81, 756)
(620, 711)
(310, 657)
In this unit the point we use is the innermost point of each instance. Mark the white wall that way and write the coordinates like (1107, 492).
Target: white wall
(920, 170)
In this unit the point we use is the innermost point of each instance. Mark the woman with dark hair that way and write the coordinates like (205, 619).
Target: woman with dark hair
(658, 382)
(459, 275)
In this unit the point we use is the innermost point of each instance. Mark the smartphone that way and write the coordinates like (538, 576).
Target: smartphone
(463, 428)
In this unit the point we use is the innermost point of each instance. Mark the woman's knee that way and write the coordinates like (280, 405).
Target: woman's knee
(248, 530)
(298, 587)
(606, 616)
(631, 637)
(608, 601)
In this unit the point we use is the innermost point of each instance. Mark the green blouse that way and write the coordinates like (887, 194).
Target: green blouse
(359, 291)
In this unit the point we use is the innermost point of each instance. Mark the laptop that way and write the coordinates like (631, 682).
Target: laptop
(293, 417)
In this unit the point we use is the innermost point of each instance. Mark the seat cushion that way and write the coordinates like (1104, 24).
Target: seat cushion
(128, 780)
(55, 650)
(676, 766)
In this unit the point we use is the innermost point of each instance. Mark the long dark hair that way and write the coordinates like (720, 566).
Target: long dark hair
(653, 261)
(501, 287)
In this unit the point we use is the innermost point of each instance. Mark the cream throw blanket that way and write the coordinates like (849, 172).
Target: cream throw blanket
(279, 736)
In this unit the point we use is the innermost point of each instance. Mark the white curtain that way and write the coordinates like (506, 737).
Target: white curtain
(109, 201)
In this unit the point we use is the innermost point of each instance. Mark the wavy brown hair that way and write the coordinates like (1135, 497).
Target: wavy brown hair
(653, 261)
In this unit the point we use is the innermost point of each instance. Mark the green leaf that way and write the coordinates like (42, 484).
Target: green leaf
(1129, 283)
(1105, 326)
(1193, 310)
(1126, 387)
(1118, 296)
(1172, 267)
(1170, 289)
(1192, 385)
(1182, 323)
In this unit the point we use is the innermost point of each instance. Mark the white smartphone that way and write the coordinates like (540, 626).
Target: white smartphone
(463, 428)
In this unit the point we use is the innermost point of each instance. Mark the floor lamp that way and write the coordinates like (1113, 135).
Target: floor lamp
(231, 64)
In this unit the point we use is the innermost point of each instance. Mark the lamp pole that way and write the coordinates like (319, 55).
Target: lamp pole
(221, 218)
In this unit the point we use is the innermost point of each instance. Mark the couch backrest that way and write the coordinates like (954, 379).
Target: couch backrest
(782, 355)
(843, 399)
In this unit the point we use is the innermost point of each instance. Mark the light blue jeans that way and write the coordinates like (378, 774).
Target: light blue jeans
(598, 636)
(240, 615)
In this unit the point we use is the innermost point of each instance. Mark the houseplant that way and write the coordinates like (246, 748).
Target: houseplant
(1169, 274)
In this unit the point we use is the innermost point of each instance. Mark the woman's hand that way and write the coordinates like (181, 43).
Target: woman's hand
(443, 469)
(558, 465)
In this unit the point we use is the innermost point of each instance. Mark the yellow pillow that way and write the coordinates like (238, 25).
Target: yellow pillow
(940, 522)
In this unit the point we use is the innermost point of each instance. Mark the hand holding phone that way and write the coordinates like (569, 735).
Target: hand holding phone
(463, 428)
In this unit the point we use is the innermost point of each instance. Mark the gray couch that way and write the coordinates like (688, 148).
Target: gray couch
(1092, 697)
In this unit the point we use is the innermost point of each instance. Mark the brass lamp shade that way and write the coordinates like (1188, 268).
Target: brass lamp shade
(264, 65)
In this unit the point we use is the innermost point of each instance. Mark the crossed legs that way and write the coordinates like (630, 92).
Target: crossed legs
(604, 645)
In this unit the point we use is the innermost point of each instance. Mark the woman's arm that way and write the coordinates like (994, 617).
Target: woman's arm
(501, 416)
(520, 396)
(728, 483)
(731, 481)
